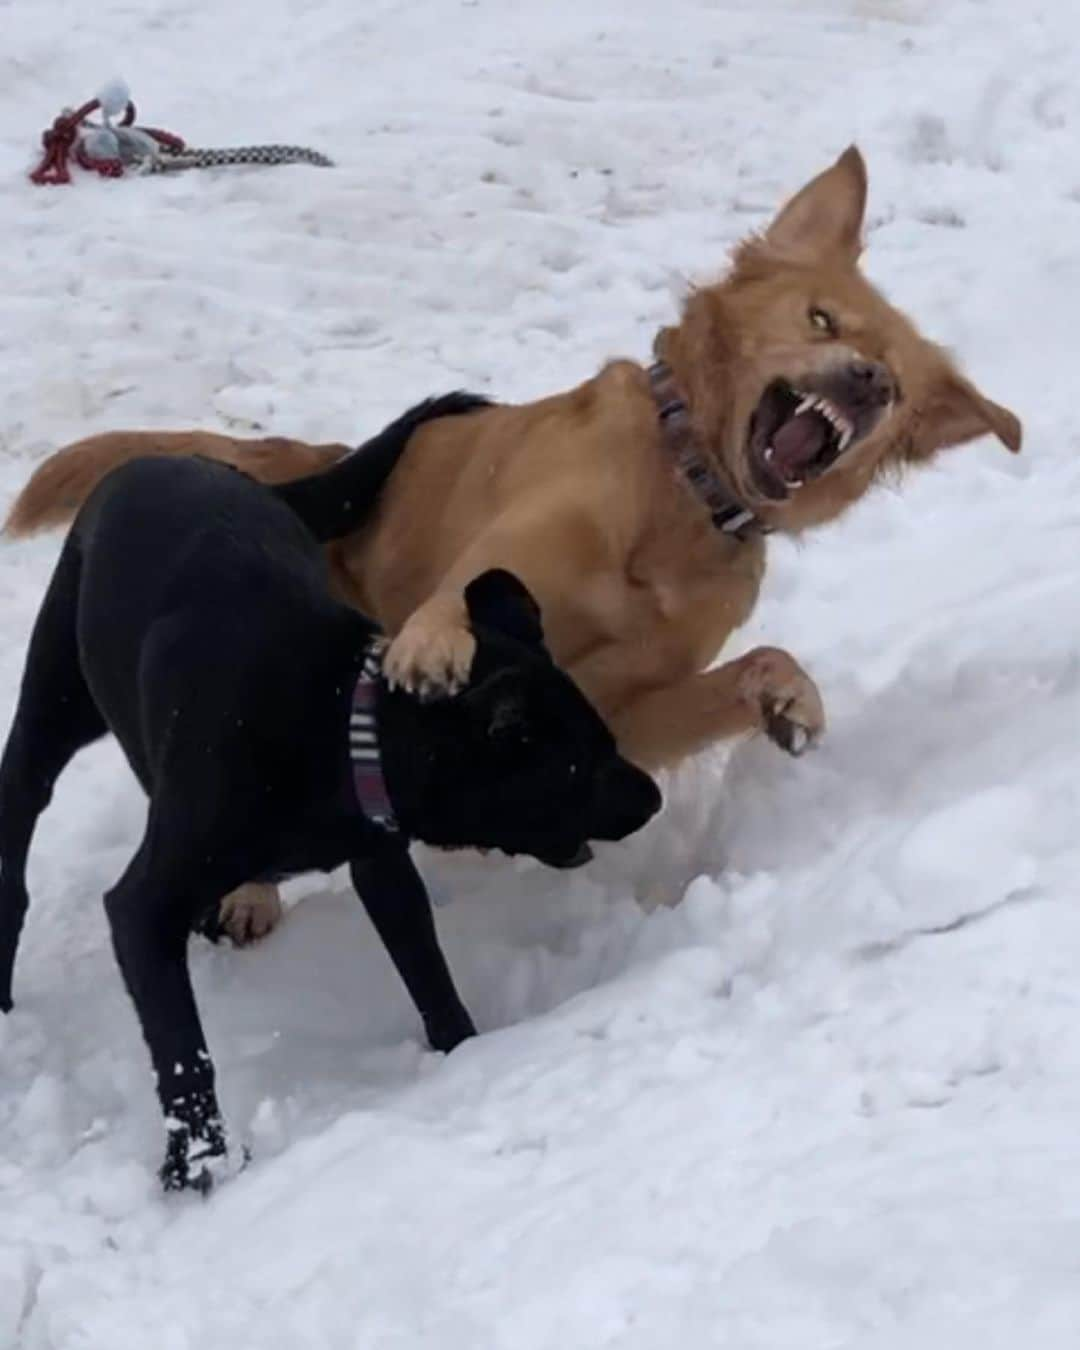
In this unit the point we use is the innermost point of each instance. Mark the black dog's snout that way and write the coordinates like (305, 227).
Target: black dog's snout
(870, 384)
(627, 799)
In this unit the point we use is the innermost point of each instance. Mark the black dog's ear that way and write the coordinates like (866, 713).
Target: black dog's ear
(498, 708)
(497, 599)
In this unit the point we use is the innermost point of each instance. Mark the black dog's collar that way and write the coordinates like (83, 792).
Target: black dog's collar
(369, 785)
(728, 514)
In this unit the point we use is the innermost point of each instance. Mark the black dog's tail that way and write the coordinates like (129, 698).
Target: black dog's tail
(337, 501)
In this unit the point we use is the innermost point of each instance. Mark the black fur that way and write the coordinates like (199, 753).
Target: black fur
(190, 615)
(334, 503)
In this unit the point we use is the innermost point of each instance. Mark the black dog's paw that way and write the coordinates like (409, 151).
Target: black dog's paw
(194, 1161)
(446, 1031)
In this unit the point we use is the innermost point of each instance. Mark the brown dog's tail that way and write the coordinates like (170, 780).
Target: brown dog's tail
(60, 485)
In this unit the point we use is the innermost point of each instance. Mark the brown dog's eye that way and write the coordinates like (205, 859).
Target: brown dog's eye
(823, 321)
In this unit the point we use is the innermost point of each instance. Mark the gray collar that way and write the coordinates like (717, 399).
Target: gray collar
(729, 515)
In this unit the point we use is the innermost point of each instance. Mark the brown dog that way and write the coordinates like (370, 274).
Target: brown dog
(634, 506)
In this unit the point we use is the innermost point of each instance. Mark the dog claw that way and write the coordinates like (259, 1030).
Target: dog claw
(788, 703)
(791, 736)
(203, 1184)
(430, 661)
(445, 685)
(798, 740)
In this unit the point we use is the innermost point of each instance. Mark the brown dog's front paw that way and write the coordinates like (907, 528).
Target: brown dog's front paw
(250, 912)
(432, 654)
(785, 699)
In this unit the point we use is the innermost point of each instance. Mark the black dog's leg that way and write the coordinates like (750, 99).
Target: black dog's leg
(55, 717)
(150, 911)
(397, 902)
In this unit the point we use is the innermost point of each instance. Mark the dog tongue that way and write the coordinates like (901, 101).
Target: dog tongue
(797, 442)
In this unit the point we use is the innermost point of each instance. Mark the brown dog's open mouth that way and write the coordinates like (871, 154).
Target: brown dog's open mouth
(795, 435)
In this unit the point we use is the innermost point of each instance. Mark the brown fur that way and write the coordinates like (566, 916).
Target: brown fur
(576, 493)
(60, 485)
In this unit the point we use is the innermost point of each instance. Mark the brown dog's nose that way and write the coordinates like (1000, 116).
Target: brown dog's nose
(871, 384)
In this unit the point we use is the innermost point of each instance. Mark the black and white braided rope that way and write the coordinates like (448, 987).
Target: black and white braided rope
(167, 161)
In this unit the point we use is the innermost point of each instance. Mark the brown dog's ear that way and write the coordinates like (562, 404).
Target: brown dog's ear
(955, 413)
(826, 216)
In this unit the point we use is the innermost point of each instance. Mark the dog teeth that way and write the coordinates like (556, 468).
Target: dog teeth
(770, 454)
(836, 419)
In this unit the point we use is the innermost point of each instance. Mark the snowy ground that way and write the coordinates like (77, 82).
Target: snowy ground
(832, 1098)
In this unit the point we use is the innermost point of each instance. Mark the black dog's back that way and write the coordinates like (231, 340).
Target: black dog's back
(191, 582)
(151, 517)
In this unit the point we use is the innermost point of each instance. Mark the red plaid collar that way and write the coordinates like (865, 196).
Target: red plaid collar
(729, 515)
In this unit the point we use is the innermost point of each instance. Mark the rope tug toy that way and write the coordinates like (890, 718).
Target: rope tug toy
(115, 146)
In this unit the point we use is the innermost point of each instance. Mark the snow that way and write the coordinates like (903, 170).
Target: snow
(830, 1099)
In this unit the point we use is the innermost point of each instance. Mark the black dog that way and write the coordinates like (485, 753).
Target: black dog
(190, 615)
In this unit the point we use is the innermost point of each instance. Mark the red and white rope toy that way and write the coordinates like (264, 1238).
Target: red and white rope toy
(115, 146)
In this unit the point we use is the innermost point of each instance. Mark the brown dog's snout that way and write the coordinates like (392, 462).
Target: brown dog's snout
(870, 384)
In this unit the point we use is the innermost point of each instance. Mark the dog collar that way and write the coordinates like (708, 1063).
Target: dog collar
(369, 785)
(728, 514)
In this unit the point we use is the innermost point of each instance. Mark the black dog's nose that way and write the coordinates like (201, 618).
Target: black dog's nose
(871, 384)
(627, 798)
